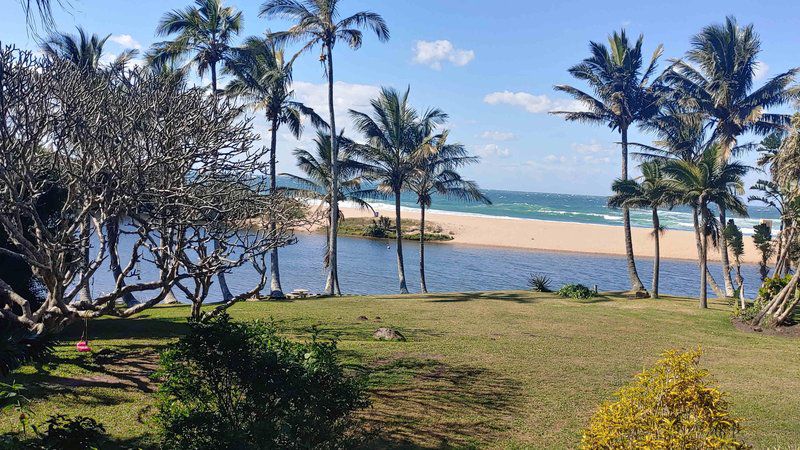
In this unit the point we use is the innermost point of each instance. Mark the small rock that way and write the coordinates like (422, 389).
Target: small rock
(388, 334)
(362, 318)
(758, 329)
(378, 318)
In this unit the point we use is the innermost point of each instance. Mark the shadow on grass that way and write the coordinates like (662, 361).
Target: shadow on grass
(427, 403)
(456, 297)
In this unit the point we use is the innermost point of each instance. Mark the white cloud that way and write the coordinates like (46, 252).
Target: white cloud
(126, 41)
(592, 148)
(490, 150)
(498, 135)
(346, 96)
(535, 104)
(434, 53)
(760, 70)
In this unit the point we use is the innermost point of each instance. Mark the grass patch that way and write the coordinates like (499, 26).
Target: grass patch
(374, 228)
(500, 369)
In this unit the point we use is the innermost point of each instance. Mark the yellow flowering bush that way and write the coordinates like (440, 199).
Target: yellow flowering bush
(669, 406)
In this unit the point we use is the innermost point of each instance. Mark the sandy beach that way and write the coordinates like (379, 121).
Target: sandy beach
(558, 236)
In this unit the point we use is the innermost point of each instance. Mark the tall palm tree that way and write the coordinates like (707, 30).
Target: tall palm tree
(263, 79)
(717, 80)
(436, 172)
(317, 23)
(710, 180)
(205, 32)
(623, 96)
(653, 192)
(680, 135)
(315, 185)
(395, 133)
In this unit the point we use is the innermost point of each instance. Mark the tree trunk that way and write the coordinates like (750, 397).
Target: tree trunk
(112, 241)
(714, 286)
(704, 255)
(780, 308)
(423, 285)
(223, 283)
(275, 275)
(656, 252)
(723, 253)
(332, 283)
(704, 274)
(85, 294)
(398, 228)
(636, 283)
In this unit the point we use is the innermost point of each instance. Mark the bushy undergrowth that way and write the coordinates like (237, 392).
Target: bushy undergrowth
(239, 385)
(771, 286)
(669, 406)
(578, 291)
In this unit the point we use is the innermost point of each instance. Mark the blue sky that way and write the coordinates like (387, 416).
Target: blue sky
(490, 65)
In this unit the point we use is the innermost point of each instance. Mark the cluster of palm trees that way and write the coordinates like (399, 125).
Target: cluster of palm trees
(698, 108)
(403, 149)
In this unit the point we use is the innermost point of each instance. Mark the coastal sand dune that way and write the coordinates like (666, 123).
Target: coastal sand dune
(559, 236)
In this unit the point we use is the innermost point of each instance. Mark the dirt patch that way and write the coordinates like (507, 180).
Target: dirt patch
(792, 331)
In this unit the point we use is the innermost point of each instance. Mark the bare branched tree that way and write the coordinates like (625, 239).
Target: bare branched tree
(134, 155)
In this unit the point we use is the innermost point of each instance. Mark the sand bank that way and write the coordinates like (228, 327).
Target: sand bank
(558, 236)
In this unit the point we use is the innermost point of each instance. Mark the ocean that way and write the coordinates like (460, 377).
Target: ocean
(574, 208)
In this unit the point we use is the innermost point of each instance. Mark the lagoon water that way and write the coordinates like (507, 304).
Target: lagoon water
(367, 266)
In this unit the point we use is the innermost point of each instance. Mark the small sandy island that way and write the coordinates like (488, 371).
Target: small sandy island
(557, 236)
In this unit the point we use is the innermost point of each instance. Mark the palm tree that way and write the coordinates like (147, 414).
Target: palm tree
(436, 172)
(717, 80)
(680, 135)
(263, 79)
(205, 32)
(315, 185)
(82, 50)
(710, 180)
(395, 133)
(317, 23)
(653, 191)
(623, 97)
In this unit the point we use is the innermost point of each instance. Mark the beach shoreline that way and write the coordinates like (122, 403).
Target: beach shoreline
(544, 235)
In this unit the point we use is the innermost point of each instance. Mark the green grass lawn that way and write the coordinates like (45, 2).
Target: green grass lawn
(504, 369)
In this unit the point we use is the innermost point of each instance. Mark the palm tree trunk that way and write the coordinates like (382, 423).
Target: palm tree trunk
(704, 256)
(698, 241)
(332, 283)
(723, 253)
(704, 274)
(223, 284)
(656, 252)
(398, 228)
(636, 282)
(275, 274)
(423, 286)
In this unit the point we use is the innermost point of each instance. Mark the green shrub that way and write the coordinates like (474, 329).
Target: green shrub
(771, 286)
(70, 433)
(578, 291)
(240, 385)
(668, 406)
(539, 282)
